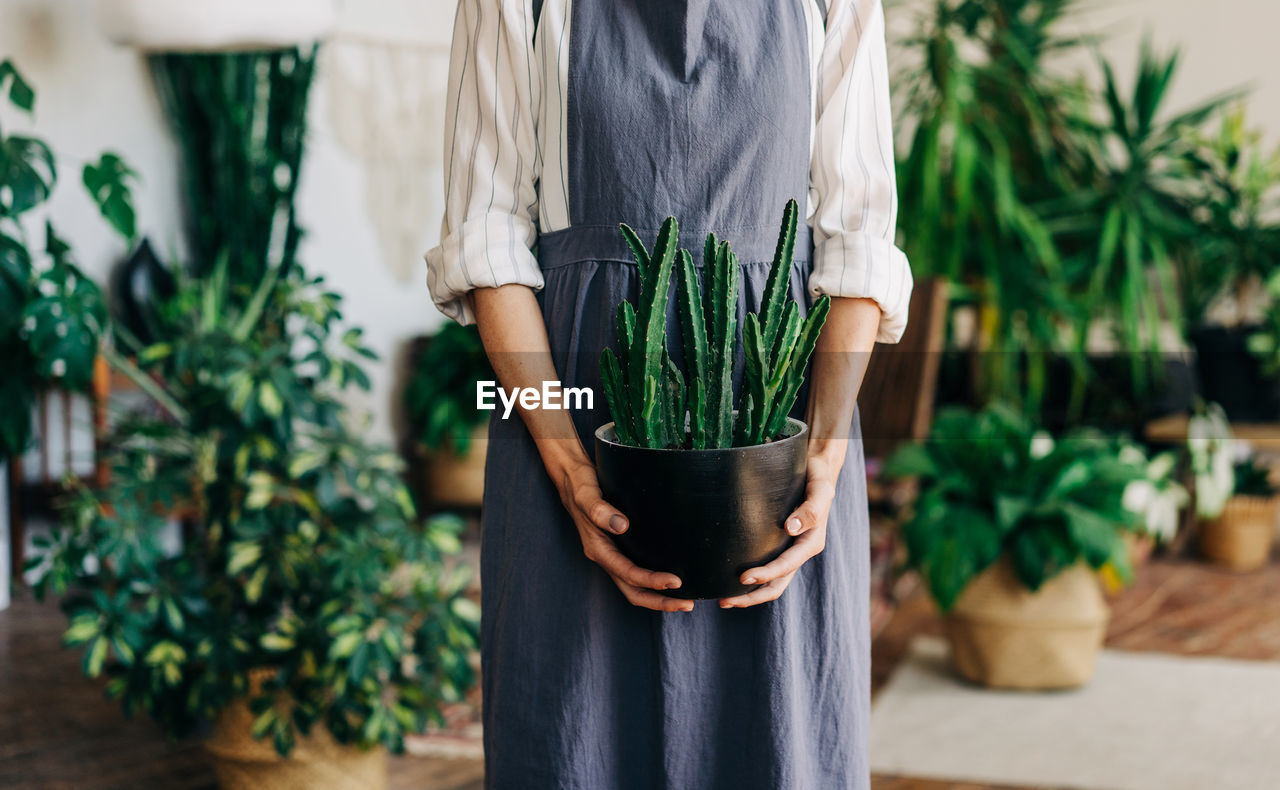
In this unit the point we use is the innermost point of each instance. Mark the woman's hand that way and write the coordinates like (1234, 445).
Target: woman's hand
(596, 520)
(809, 526)
(515, 339)
(844, 348)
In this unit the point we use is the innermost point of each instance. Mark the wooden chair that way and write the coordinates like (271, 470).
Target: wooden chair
(898, 393)
(26, 494)
(897, 402)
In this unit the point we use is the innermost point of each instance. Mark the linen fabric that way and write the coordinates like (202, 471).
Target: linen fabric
(717, 111)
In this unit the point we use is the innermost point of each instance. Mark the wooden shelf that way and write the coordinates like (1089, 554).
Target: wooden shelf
(1173, 430)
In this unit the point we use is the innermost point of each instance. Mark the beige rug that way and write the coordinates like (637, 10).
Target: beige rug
(1148, 721)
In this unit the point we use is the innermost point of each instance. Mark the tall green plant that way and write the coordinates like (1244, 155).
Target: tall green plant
(1056, 203)
(51, 314)
(992, 133)
(240, 123)
(305, 560)
(1142, 197)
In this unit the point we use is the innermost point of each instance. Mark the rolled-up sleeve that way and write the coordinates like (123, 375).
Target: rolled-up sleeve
(490, 158)
(854, 192)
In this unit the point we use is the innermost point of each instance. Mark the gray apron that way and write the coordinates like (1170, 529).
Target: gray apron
(698, 109)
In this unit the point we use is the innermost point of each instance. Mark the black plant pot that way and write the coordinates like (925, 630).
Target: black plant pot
(138, 286)
(705, 515)
(1231, 376)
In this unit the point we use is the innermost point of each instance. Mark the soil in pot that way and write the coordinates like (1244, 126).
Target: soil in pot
(1240, 539)
(705, 515)
(317, 761)
(1230, 374)
(1003, 635)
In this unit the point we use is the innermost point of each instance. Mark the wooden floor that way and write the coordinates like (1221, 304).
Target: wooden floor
(58, 731)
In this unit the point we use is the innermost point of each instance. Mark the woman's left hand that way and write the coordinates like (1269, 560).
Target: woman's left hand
(809, 526)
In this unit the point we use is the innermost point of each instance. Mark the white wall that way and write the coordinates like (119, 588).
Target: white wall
(93, 96)
(1225, 44)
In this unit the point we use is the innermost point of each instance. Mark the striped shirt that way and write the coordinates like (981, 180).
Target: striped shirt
(506, 154)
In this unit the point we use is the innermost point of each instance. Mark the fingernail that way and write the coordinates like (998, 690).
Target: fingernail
(673, 585)
(726, 605)
(688, 608)
(794, 526)
(617, 523)
(749, 580)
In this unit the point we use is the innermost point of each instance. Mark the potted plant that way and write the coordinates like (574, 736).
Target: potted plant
(1235, 499)
(1055, 202)
(307, 614)
(1157, 497)
(50, 312)
(706, 486)
(449, 433)
(1006, 531)
(1238, 243)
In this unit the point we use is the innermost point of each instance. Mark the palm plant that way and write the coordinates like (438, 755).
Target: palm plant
(996, 134)
(1053, 217)
(1140, 208)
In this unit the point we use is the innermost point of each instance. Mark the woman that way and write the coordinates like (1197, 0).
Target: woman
(565, 118)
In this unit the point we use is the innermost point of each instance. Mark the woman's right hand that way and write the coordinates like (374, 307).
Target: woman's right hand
(596, 520)
(515, 339)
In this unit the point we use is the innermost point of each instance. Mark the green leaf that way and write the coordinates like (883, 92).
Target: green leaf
(1009, 511)
(27, 168)
(910, 460)
(344, 645)
(269, 399)
(107, 185)
(242, 555)
(253, 588)
(83, 628)
(21, 94)
(96, 655)
(1096, 535)
(466, 609)
(276, 642)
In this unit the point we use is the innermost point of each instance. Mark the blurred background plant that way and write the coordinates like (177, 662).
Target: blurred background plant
(1058, 203)
(240, 122)
(304, 557)
(993, 485)
(51, 314)
(440, 396)
(1238, 240)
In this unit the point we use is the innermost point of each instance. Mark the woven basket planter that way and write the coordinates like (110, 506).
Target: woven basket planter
(1240, 539)
(456, 480)
(317, 761)
(1003, 635)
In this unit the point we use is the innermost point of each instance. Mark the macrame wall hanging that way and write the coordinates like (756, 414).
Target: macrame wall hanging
(386, 100)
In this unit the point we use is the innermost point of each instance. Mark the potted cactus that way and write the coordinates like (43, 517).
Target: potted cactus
(706, 486)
